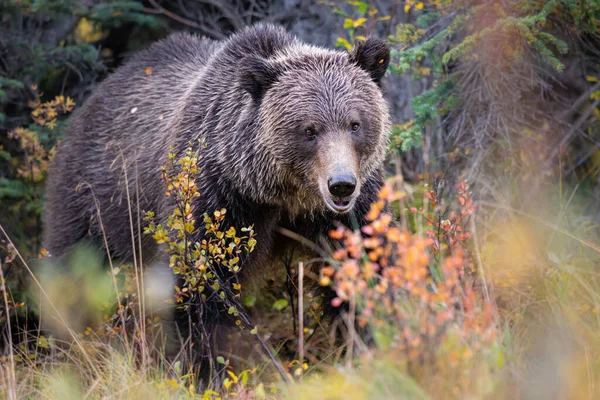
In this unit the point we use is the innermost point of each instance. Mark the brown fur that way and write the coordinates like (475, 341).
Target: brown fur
(251, 98)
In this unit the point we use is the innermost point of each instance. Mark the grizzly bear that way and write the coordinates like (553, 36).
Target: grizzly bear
(295, 137)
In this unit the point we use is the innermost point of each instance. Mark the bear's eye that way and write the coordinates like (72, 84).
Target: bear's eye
(355, 127)
(310, 133)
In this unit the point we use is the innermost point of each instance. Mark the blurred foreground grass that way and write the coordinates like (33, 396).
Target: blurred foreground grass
(432, 332)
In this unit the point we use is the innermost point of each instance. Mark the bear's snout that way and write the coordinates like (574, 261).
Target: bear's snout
(342, 185)
(339, 180)
(342, 190)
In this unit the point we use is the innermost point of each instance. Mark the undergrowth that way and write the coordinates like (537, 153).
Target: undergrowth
(427, 313)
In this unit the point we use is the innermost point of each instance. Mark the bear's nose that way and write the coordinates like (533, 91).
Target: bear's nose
(341, 185)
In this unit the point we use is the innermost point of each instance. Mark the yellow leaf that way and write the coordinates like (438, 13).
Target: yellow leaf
(419, 6)
(69, 104)
(384, 18)
(348, 23)
(372, 11)
(343, 42)
(359, 22)
(87, 32)
(172, 383)
(233, 376)
(406, 8)
(361, 37)
(591, 78)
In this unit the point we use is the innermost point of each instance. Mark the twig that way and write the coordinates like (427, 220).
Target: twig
(235, 19)
(137, 267)
(479, 263)
(11, 377)
(306, 264)
(301, 312)
(246, 319)
(272, 358)
(304, 241)
(575, 128)
(158, 9)
(351, 330)
(579, 102)
(141, 260)
(399, 179)
(388, 28)
(91, 389)
(289, 284)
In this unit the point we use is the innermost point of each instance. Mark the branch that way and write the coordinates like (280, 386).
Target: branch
(232, 16)
(158, 9)
(575, 128)
(579, 102)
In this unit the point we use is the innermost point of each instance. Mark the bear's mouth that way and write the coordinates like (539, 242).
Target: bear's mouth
(340, 205)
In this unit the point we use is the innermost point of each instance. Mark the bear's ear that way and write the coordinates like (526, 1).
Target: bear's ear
(257, 75)
(372, 55)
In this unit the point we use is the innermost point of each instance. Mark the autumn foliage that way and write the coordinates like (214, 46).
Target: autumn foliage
(414, 304)
(200, 258)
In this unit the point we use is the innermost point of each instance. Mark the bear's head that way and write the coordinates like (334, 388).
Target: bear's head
(322, 120)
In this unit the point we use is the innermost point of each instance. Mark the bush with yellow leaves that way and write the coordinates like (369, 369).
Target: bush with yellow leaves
(204, 255)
